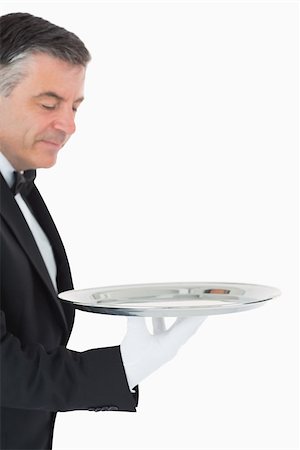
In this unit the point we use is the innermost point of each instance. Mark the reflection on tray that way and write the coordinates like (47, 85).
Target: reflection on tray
(207, 294)
(216, 291)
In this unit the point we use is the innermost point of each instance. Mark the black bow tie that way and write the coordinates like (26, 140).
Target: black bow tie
(23, 182)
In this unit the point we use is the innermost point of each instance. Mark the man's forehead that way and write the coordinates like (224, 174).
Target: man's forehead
(46, 75)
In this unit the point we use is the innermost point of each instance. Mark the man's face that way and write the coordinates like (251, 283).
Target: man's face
(37, 118)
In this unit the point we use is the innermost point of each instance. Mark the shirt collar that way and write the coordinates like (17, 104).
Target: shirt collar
(7, 170)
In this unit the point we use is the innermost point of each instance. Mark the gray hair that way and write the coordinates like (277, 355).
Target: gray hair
(22, 35)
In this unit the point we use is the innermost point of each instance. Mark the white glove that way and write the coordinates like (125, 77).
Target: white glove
(143, 352)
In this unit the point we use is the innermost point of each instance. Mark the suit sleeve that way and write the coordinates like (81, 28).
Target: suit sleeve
(62, 379)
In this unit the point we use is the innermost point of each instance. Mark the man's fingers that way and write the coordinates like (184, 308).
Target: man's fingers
(184, 327)
(159, 325)
(136, 325)
(176, 335)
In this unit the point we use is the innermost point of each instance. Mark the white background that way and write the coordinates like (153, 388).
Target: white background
(184, 168)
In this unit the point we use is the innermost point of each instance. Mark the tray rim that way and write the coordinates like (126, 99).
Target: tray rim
(168, 311)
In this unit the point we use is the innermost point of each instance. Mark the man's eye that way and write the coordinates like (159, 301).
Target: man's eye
(49, 106)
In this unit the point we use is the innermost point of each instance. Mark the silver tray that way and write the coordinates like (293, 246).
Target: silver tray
(171, 299)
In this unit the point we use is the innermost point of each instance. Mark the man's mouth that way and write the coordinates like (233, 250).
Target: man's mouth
(54, 140)
(54, 143)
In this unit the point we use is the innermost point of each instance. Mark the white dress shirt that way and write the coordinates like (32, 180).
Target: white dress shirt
(39, 235)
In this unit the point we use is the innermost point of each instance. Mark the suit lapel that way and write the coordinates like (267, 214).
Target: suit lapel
(14, 218)
(40, 210)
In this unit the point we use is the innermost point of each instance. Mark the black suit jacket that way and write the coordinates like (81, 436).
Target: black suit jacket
(39, 375)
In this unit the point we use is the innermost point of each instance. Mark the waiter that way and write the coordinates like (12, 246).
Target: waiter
(42, 72)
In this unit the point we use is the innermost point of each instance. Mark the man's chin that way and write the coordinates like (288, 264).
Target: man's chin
(47, 163)
(46, 154)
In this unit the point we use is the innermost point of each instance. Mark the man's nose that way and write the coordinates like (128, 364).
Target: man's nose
(65, 122)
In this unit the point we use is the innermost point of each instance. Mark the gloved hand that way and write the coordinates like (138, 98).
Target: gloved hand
(143, 352)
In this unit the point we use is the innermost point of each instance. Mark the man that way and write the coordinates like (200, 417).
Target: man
(42, 71)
